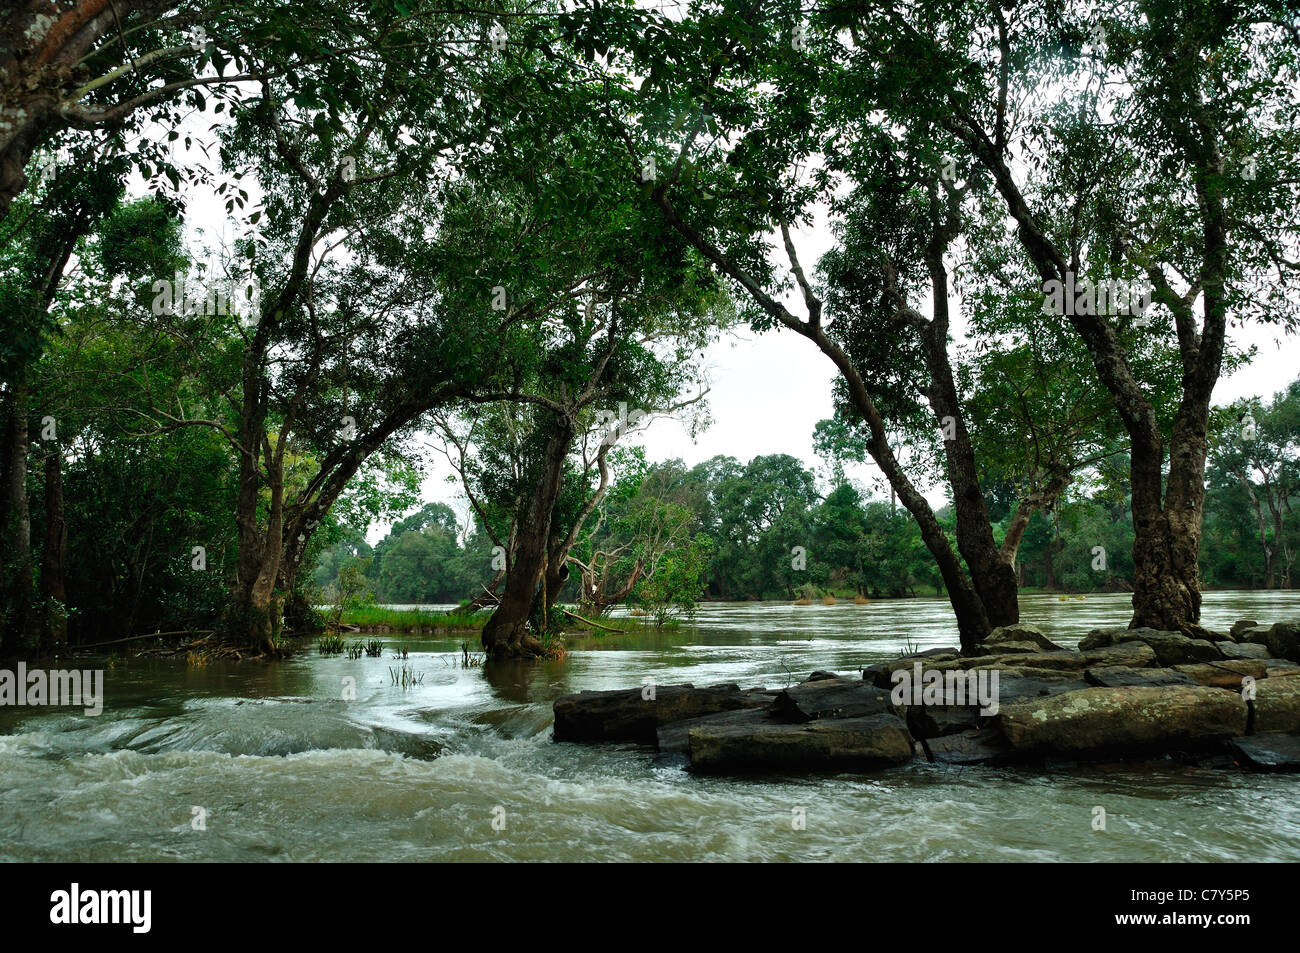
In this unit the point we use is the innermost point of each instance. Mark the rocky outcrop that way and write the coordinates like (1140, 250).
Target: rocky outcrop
(1128, 694)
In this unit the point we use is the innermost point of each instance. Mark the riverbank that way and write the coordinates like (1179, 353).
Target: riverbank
(1228, 700)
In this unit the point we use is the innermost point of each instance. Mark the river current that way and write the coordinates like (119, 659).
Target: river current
(268, 762)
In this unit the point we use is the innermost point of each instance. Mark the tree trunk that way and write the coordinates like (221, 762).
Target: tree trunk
(18, 588)
(505, 634)
(54, 558)
(993, 577)
(972, 621)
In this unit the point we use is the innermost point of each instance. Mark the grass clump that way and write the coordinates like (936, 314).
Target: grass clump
(331, 644)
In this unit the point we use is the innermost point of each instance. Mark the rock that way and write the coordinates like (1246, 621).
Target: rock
(1212, 635)
(674, 738)
(1017, 635)
(933, 721)
(1017, 686)
(1126, 654)
(982, 746)
(879, 673)
(1120, 676)
(1271, 752)
(1004, 648)
(1063, 661)
(876, 741)
(1283, 640)
(1173, 648)
(820, 676)
(1256, 635)
(837, 698)
(1100, 638)
(1279, 668)
(626, 715)
(1241, 626)
(1123, 720)
(1225, 674)
(1240, 650)
(1277, 705)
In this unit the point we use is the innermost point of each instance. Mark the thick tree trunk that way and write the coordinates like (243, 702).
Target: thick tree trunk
(54, 558)
(15, 525)
(505, 634)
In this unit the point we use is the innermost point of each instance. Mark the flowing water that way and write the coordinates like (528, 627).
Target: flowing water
(461, 766)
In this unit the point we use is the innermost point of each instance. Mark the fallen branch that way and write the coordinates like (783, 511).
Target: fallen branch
(574, 615)
(147, 635)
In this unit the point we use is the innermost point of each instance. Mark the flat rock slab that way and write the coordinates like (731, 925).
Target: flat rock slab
(1120, 676)
(830, 698)
(877, 741)
(1271, 752)
(1226, 674)
(1240, 650)
(674, 737)
(1014, 686)
(633, 715)
(1096, 721)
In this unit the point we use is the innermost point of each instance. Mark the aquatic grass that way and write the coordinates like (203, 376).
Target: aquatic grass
(406, 676)
(331, 644)
(374, 648)
(355, 650)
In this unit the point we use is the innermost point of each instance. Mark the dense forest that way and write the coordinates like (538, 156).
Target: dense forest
(512, 233)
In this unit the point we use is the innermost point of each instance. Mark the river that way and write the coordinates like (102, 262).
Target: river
(273, 765)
